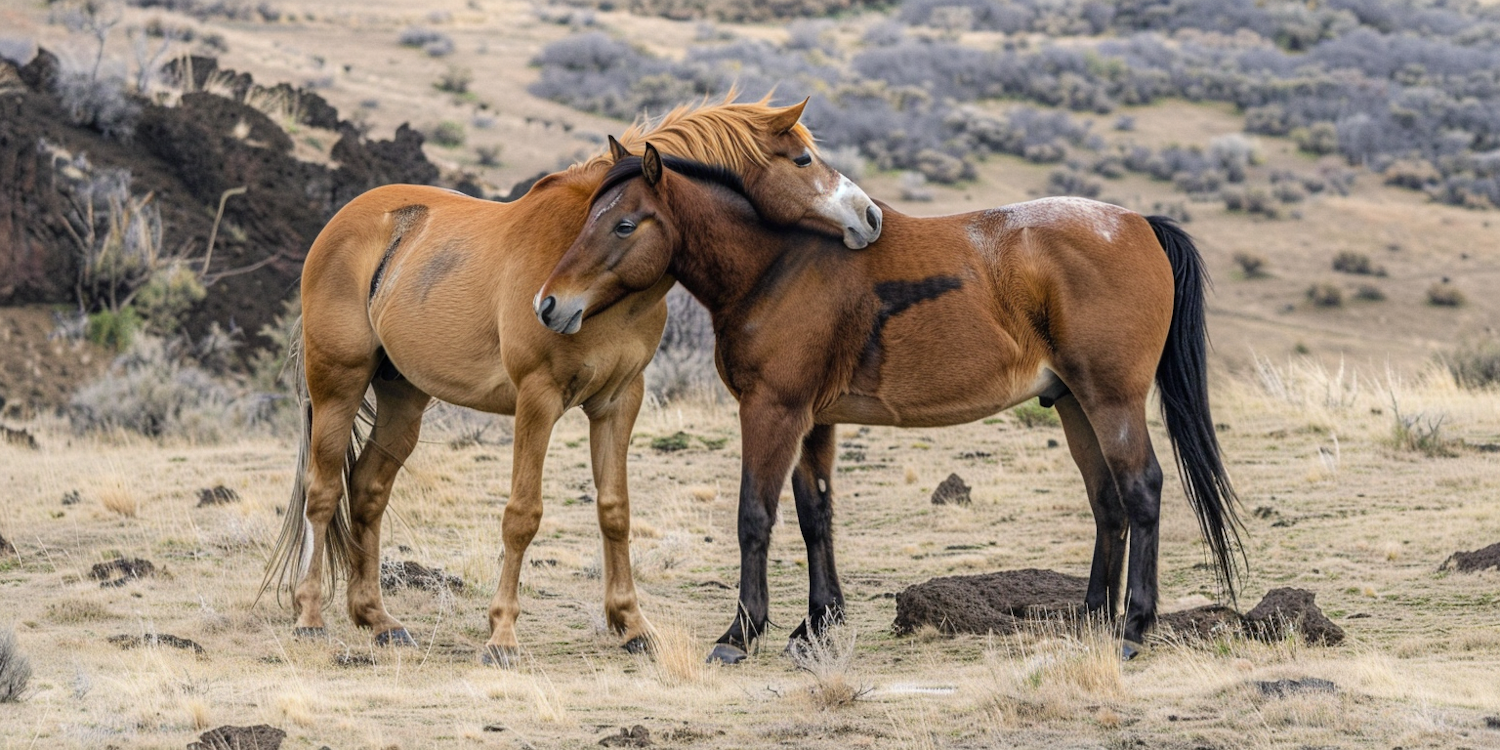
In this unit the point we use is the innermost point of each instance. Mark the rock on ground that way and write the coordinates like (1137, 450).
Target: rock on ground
(121, 571)
(991, 602)
(405, 574)
(1204, 623)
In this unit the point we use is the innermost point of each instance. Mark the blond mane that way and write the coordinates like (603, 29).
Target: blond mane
(725, 133)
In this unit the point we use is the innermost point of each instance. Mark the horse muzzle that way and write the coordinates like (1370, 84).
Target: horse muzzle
(859, 215)
(563, 315)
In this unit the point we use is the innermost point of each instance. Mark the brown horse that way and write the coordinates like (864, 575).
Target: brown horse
(1080, 303)
(424, 293)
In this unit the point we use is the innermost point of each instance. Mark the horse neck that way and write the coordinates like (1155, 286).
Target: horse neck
(723, 246)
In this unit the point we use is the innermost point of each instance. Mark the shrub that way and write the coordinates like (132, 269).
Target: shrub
(1369, 293)
(1325, 295)
(455, 80)
(1252, 265)
(420, 36)
(489, 156)
(1069, 182)
(448, 134)
(1445, 294)
(98, 103)
(914, 187)
(684, 361)
(1125, 123)
(167, 296)
(1032, 414)
(114, 330)
(1475, 364)
(1349, 261)
(154, 390)
(15, 668)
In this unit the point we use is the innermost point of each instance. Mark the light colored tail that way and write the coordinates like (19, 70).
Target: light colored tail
(292, 554)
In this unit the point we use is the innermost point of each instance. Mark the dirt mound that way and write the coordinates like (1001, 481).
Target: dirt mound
(121, 571)
(259, 737)
(991, 602)
(1472, 562)
(1288, 609)
(1204, 623)
(405, 574)
(636, 736)
(152, 640)
(952, 491)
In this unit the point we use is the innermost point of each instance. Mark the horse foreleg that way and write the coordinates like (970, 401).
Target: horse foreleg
(769, 433)
(812, 486)
(537, 410)
(398, 421)
(1108, 570)
(609, 445)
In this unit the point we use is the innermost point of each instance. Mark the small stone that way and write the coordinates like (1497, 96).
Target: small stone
(401, 574)
(72, 497)
(952, 491)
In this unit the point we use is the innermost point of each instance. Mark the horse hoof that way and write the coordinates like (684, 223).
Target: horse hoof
(724, 653)
(397, 637)
(505, 657)
(1129, 650)
(638, 645)
(318, 633)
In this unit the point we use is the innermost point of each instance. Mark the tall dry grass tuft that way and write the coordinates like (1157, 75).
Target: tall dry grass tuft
(827, 658)
(116, 497)
(1056, 673)
(677, 658)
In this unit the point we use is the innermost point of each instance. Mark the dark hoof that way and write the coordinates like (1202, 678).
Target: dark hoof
(638, 645)
(724, 653)
(1130, 650)
(504, 657)
(397, 637)
(318, 633)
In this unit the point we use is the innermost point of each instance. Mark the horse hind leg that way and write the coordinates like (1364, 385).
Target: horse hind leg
(1108, 570)
(1125, 444)
(336, 393)
(399, 407)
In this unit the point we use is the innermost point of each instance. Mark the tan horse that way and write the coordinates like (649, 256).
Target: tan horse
(943, 321)
(424, 293)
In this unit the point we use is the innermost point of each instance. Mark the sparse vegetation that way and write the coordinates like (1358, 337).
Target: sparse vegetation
(1445, 294)
(1032, 414)
(1475, 364)
(448, 134)
(1369, 293)
(1251, 264)
(15, 668)
(1325, 295)
(1349, 261)
(455, 80)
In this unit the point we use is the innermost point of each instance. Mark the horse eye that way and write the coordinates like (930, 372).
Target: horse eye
(802, 160)
(624, 228)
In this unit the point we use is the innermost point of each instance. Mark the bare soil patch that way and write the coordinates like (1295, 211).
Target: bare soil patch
(989, 603)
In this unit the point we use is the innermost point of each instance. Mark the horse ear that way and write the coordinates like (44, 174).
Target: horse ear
(787, 118)
(616, 151)
(651, 165)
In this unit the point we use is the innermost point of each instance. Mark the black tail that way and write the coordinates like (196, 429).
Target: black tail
(1181, 378)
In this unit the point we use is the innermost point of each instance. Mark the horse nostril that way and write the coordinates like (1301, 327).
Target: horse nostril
(871, 217)
(548, 305)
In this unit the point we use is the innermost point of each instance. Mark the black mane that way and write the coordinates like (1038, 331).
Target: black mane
(630, 168)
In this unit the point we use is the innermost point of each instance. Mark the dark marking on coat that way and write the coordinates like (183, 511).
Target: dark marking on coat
(895, 298)
(1041, 323)
(441, 264)
(406, 219)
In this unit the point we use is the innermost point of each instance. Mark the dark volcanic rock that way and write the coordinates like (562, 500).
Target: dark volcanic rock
(150, 640)
(952, 491)
(1204, 623)
(992, 602)
(121, 571)
(1286, 608)
(259, 737)
(405, 574)
(1471, 562)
